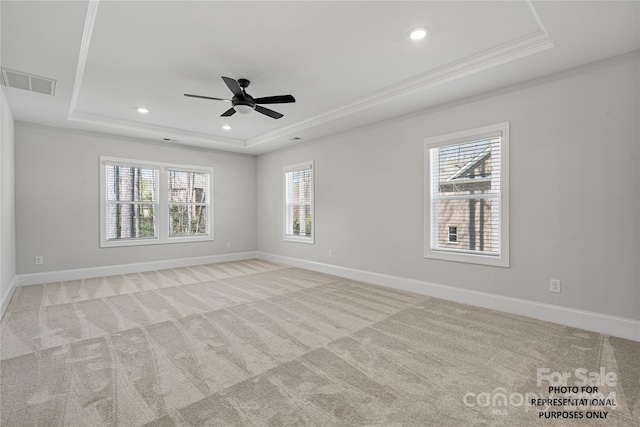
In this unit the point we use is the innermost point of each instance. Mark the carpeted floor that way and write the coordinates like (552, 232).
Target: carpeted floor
(254, 343)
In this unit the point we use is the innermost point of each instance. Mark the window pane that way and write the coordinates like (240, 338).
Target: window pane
(478, 226)
(298, 186)
(299, 221)
(187, 187)
(130, 184)
(187, 220)
(130, 221)
(468, 168)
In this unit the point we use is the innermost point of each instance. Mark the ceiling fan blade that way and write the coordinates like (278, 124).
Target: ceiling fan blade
(234, 87)
(229, 112)
(206, 97)
(268, 112)
(279, 99)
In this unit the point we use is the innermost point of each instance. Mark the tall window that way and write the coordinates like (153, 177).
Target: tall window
(298, 203)
(135, 212)
(466, 205)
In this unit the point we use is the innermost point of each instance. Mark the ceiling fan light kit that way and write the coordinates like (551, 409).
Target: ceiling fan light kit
(243, 108)
(244, 103)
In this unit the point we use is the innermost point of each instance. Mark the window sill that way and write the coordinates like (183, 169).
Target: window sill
(493, 261)
(153, 241)
(294, 239)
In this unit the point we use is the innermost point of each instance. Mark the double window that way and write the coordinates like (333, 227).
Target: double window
(298, 203)
(148, 202)
(466, 200)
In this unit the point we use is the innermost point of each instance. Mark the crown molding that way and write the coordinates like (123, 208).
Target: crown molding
(507, 52)
(176, 135)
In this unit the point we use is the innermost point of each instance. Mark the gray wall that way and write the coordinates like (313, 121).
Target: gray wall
(7, 201)
(57, 199)
(574, 197)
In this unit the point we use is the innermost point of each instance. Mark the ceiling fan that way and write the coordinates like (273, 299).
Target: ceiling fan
(244, 103)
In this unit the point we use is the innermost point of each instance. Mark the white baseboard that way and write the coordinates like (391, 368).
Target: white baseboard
(7, 298)
(591, 321)
(111, 270)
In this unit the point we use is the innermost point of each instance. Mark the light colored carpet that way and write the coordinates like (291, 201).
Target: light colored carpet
(254, 343)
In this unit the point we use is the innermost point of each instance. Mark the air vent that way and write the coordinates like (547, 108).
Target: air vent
(24, 81)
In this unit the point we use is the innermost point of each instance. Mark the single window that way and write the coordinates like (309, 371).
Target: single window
(467, 184)
(453, 234)
(135, 212)
(298, 203)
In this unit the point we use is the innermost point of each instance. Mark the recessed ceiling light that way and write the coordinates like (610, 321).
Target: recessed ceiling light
(142, 110)
(226, 127)
(418, 33)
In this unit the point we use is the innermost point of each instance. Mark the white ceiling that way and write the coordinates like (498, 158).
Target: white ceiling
(348, 63)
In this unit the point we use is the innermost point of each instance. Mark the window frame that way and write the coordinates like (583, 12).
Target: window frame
(477, 134)
(161, 203)
(291, 168)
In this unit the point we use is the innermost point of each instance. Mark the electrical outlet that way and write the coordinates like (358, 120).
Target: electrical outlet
(330, 253)
(39, 260)
(555, 286)
(228, 245)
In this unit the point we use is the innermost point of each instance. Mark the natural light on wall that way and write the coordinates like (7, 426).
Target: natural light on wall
(466, 205)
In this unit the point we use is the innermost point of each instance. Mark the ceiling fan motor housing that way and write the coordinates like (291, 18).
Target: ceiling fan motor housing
(247, 101)
(243, 103)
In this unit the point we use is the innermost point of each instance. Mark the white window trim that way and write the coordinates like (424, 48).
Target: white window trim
(502, 130)
(289, 168)
(161, 220)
